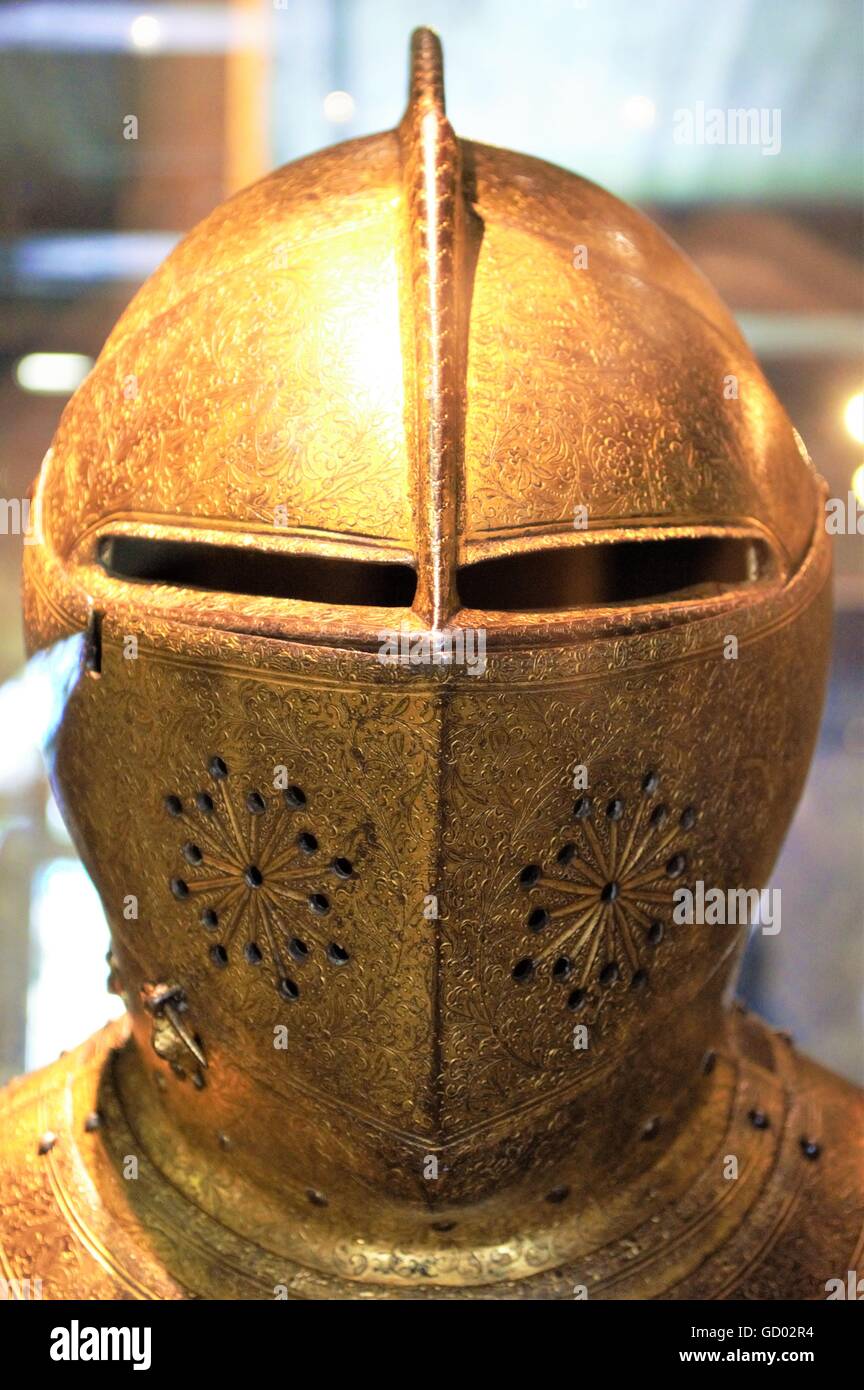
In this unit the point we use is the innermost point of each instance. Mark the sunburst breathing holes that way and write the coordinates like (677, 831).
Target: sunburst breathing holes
(256, 867)
(621, 867)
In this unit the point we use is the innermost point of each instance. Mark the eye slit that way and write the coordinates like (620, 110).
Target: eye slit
(232, 569)
(671, 568)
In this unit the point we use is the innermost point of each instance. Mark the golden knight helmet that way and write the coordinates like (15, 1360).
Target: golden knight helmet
(436, 588)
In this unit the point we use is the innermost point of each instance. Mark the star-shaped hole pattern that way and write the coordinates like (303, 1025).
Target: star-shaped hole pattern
(611, 893)
(252, 865)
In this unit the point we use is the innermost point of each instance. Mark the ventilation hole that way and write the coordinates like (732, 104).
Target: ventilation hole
(576, 999)
(582, 807)
(659, 815)
(288, 989)
(342, 868)
(529, 875)
(192, 854)
(204, 802)
(307, 842)
(252, 953)
(294, 797)
(561, 969)
(217, 768)
(92, 1122)
(615, 808)
(709, 1062)
(758, 1119)
(651, 1129)
(650, 783)
(566, 854)
(173, 805)
(230, 569)
(337, 955)
(210, 918)
(219, 956)
(610, 973)
(609, 892)
(639, 979)
(809, 1148)
(180, 888)
(558, 1194)
(253, 876)
(523, 969)
(46, 1143)
(316, 1198)
(298, 948)
(688, 818)
(538, 918)
(676, 866)
(655, 933)
(443, 1226)
(255, 804)
(318, 903)
(612, 572)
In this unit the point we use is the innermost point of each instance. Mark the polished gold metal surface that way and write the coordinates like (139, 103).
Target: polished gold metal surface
(409, 1014)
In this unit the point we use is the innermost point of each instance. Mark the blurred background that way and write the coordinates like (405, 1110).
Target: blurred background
(121, 125)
